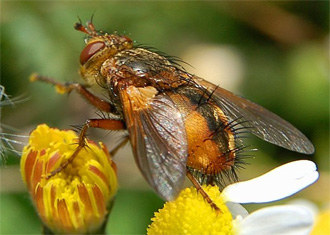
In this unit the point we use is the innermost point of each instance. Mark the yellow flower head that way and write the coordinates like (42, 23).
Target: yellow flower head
(191, 214)
(75, 200)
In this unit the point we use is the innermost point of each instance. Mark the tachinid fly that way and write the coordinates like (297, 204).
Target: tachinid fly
(178, 123)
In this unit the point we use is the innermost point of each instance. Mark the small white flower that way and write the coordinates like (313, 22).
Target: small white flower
(191, 214)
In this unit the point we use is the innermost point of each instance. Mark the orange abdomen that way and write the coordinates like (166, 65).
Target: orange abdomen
(210, 137)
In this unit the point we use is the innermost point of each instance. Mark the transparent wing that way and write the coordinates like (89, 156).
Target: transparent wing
(261, 122)
(158, 138)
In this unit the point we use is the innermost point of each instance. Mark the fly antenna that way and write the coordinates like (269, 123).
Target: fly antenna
(90, 29)
(90, 25)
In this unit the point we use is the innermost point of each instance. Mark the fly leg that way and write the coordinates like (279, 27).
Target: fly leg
(81, 89)
(106, 124)
(202, 192)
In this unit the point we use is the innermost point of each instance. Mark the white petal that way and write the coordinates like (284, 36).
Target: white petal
(277, 220)
(307, 204)
(237, 210)
(277, 184)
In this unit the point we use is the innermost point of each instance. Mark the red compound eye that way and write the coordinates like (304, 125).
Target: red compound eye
(90, 50)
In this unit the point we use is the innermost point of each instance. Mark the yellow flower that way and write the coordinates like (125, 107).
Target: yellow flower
(77, 199)
(191, 214)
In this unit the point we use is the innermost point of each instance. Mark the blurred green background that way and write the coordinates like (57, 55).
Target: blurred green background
(274, 53)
